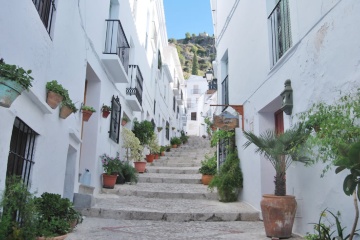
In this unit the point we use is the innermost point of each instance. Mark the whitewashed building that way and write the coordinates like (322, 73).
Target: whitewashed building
(261, 44)
(108, 52)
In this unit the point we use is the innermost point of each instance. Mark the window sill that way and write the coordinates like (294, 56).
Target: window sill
(289, 53)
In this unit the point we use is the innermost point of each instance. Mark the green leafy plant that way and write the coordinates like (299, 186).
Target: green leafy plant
(175, 141)
(184, 138)
(17, 74)
(129, 172)
(159, 129)
(229, 179)
(162, 149)
(208, 126)
(105, 108)
(209, 165)
(56, 87)
(220, 135)
(69, 103)
(125, 118)
(143, 131)
(88, 108)
(154, 144)
(281, 150)
(132, 145)
(110, 164)
(323, 229)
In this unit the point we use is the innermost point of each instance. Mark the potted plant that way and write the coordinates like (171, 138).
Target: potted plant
(159, 129)
(162, 150)
(280, 149)
(168, 148)
(184, 138)
(208, 169)
(13, 81)
(154, 149)
(133, 149)
(124, 120)
(67, 107)
(55, 93)
(129, 172)
(175, 141)
(111, 166)
(87, 112)
(105, 109)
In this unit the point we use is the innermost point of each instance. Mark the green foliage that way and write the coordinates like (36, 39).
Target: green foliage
(187, 35)
(209, 165)
(88, 108)
(195, 66)
(125, 118)
(175, 141)
(184, 138)
(132, 143)
(110, 164)
(154, 144)
(56, 87)
(129, 172)
(194, 49)
(323, 229)
(280, 149)
(143, 131)
(17, 199)
(172, 40)
(69, 103)
(106, 108)
(17, 74)
(219, 135)
(229, 179)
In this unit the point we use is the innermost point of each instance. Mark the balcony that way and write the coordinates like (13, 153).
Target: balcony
(180, 98)
(134, 92)
(116, 53)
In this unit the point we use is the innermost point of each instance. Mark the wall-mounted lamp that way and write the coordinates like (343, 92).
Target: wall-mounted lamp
(209, 75)
(287, 98)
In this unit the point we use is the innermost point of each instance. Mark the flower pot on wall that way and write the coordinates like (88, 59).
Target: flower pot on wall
(105, 113)
(65, 111)
(123, 122)
(109, 180)
(9, 91)
(86, 115)
(53, 99)
(140, 166)
(278, 215)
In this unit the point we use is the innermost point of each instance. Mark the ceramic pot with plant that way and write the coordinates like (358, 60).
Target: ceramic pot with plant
(154, 148)
(162, 150)
(55, 93)
(111, 166)
(133, 149)
(105, 111)
(175, 142)
(281, 150)
(87, 111)
(13, 81)
(124, 120)
(208, 169)
(67, 108)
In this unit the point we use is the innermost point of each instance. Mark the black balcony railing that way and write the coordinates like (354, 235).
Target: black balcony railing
(138, 89)
(225, 91)
(116, 42)
(46, 9)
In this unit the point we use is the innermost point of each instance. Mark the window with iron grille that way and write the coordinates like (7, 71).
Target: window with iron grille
(115, 119)
(280, 30)
(174, 103)
(22, 145)
(167, 134)
(193, 116)
(46, 9)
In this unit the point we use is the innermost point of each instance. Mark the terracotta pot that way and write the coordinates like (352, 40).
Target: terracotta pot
(140, 166)
(278, 215)
(9, 91)
(105, 114)
(150, 158)
(174, 146)
(162, 153)
(65, 111)
(53, 99)
(86, 115)
(123, 122)
(206, 179)
(156, 156)
(109, 180)
(62, 237)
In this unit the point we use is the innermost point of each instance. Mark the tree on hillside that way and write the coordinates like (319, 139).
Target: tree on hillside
(187, 35)
(194, 49)
(193, 35)
(172, 40)
(195, 66)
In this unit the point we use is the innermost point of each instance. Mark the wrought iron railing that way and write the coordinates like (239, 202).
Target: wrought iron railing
(225, 91)
(138, 89)
(46, 9)
(116, 42)
(279, 21)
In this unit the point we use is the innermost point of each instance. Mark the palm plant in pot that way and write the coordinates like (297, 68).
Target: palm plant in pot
(133, 149)
(281, 150)
(13, 81)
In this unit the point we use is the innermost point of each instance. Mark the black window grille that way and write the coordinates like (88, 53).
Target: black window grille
(22, 145)
(178, 110)
(225, 92)
(116, 42)
(213, 84)
(167, 134)
(159, 60)
(193, 116)
(225, 145)
(174, 103)
(115, 119)
(280, 30)
(46, 9)
(153, 123)
(138, 89)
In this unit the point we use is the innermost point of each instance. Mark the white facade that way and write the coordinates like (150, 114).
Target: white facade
(80, 53)
(322, 61)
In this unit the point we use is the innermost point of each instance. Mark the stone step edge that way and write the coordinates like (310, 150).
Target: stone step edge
(169, 216)
(167, 195)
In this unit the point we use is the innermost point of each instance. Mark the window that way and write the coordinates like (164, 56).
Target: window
(46, 10)
(154, 106)
(196, 89)
(193, 116)
(280, 30)
(115, 119)
(225, 92)
(22, 145)
(159, 60)
(174, 103)
(167, 134)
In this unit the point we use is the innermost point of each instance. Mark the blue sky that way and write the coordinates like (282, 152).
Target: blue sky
(193, 16)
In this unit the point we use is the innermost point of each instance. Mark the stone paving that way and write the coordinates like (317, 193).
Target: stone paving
(169, 202)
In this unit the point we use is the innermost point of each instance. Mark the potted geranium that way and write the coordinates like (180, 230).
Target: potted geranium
(105, 109)
(133, 149)
(281, 150)
(87, 112)
(13, 81)
(55, 93)
(112, 166)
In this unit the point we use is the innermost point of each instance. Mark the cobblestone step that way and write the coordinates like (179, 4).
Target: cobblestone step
(172, 170)
(170, 178)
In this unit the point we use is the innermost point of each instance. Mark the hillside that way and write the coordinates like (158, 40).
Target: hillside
(202, 45)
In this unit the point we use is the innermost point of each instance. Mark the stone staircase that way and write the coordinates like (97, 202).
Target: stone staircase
(170, 190)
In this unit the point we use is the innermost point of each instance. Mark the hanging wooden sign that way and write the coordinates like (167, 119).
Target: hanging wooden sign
(226, 121)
